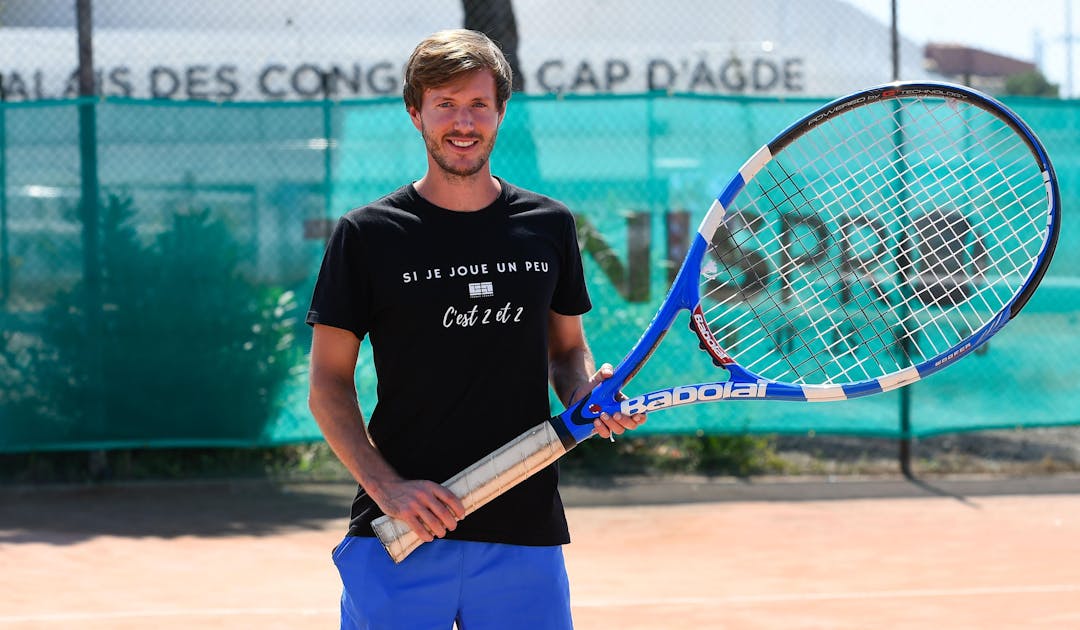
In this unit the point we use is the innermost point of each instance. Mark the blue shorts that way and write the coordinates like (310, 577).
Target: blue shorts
(479, 586)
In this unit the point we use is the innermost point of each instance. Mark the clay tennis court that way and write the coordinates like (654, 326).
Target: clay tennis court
(686, 553)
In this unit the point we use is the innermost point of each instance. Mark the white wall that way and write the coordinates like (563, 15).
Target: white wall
(227, 51)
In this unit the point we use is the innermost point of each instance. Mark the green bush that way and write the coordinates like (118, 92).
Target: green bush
(735, 455)
(184, 347)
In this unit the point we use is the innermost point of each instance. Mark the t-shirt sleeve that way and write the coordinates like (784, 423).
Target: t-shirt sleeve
(342, 296)
(571, 295)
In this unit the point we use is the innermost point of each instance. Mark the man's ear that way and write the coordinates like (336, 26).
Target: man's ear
(414, 114)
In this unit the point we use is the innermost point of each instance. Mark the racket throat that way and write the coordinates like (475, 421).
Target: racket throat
(707, 341)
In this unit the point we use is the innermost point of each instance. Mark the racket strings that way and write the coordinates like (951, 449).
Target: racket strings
(803, 303)
(943, 261)
(772, 303)
(779, 324)
(949, 206)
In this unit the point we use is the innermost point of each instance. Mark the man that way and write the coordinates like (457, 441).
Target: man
(471, 292)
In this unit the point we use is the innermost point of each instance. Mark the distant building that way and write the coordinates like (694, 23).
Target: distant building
(283, 50)
(979, 69)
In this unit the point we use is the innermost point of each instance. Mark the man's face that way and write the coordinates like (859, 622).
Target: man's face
(459, 122)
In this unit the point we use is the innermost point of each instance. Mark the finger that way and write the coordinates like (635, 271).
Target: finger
(418, 527)
(600, 375)
(624, 421)
(614, 425)
(450, 500)
(433, 524)
(620, 422)
(601, 429)
(444, 516)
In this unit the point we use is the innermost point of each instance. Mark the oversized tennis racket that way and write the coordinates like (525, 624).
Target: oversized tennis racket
(870, 244)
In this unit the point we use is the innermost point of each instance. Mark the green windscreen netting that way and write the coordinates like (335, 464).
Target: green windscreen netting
(172, 312)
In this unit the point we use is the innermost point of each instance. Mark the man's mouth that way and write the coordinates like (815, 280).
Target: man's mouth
(463, 144)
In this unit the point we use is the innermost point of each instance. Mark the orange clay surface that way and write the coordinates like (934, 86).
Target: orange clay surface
(684, 554)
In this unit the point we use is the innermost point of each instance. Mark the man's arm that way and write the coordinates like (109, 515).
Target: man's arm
(427, 507)
(573, 371)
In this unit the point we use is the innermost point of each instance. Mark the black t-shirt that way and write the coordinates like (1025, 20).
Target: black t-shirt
(456, 307)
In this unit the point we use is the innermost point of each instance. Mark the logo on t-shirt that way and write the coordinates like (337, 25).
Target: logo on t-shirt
(481, 290)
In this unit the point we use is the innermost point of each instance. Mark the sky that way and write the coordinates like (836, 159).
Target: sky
(1009, 27)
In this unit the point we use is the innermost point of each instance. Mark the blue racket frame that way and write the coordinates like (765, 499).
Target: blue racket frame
(575, 424)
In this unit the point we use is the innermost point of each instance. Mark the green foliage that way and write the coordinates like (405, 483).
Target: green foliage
(1031, 83)
(183, 346)
(20, 396)
(305, 461)
(735, 455)
(738, 455)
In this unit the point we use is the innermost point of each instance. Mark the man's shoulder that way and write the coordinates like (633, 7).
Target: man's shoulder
(387, 210)
(523, 200)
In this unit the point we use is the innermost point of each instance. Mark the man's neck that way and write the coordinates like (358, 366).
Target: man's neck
(460, 194)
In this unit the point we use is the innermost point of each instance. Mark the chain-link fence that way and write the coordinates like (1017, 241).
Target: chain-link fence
(220, 141)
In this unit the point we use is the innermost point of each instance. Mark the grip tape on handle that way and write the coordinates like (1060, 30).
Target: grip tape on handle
(488, 478)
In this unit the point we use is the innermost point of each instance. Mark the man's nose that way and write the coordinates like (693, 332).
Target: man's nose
(463, 118)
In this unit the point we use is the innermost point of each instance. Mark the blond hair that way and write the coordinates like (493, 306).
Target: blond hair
(446, 55)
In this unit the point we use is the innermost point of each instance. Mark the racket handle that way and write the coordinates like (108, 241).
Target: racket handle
(478, 484)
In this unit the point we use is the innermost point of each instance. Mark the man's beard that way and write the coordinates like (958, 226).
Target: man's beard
(454, 167)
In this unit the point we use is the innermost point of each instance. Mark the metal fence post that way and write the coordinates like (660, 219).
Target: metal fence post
(91, 230)
(5, 254)
(905, 392)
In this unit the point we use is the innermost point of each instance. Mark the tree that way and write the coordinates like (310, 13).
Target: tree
(190, 350)
(495, 18)
(1031, 83)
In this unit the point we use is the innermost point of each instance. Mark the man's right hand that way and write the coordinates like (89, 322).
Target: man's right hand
(429, 508)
